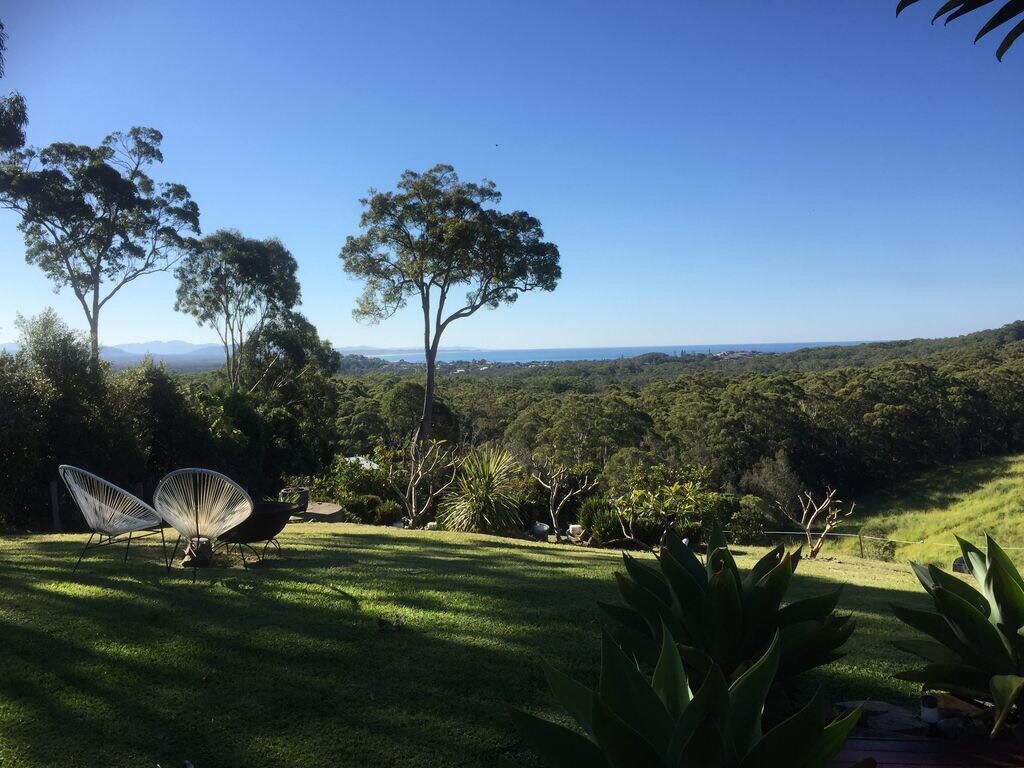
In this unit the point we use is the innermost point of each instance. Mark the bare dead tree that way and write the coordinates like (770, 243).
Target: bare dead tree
(562, 485)
(811, 511)
(420, 480)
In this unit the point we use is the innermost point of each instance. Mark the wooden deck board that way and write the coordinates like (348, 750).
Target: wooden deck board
(930, 753)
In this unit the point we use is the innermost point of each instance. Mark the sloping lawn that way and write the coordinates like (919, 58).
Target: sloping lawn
(284, 665)
(968, 499)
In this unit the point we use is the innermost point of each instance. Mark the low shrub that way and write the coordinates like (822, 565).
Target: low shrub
(875, 547)
(599, 519)
(750, 520)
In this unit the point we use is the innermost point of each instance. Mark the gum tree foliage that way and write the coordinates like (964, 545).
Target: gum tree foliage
(92, 217)
(13, 113)
(237, 285)
(434, 235)
(1006, 12)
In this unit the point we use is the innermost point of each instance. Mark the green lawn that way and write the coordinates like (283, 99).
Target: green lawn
(968, 499)
(284, 665)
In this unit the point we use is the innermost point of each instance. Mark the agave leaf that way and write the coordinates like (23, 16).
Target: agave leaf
(723, 618)
(620, 614)
(689, 598)
(921, 571)
(1006, 691)
(791, 742)
(653, 610)
(686, 558)
(575, 698)
(832, 739)
(959, 587)
(720, 559)
(996, 555)
(622, 746)
(816, 608)
(696, 662)
(709, 703)
(811, 644)
(904, 4)
(1008, 598)
(962, 679)
(641, 646)
(929, 650)
(763, 566)
(648, 578)
(975, 560)
(717, 539)
(558, 746)
(669, 680)
(628, 694)
(705, 748)
(747, 696)
(974, 630)
(761, 607)
(933, 625)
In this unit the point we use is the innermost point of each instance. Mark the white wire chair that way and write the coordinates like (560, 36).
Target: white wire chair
(200, 503)
(110, 511)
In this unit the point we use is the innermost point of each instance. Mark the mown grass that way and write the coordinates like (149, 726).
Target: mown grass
(284, 665)
(968, 499)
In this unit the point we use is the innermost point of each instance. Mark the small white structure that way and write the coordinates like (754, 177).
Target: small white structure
(109, 511)
(575, 530)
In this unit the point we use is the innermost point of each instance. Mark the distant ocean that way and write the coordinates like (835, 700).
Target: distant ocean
(596, 353)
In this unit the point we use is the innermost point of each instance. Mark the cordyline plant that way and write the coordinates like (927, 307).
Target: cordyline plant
(721, 618)
(976, 648)
(633, 722)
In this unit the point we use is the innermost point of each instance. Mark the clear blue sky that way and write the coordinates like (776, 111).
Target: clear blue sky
(712, 172)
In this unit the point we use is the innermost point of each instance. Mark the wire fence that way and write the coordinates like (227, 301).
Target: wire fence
(861, 537)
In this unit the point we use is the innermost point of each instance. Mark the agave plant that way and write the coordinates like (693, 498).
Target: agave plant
(977, 647)
(631, 722)
(721, 617)
(484, 495)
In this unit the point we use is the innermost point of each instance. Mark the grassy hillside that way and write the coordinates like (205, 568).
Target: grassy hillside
(968, 500)
(284, 665)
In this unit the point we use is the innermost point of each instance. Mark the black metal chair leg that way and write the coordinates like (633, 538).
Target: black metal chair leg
(245, 565)
(163, 544)
(84, 550)
(176, 544)
(127, 547)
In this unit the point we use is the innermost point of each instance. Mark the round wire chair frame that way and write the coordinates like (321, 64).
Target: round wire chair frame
(110, 511)
(200, 504)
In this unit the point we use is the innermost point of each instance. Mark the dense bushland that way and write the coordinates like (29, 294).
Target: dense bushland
(684, 448)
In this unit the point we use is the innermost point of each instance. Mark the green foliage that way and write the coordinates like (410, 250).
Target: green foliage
(977, 646)
(630, 720)
(954, 9)
(432, 235)
(599, 519)
(483, 498)
(236, 285)
(750, 520)
(92, 217)
(722, 617)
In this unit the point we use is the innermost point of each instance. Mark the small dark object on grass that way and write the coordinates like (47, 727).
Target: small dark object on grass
(960, 566)
(397, 624)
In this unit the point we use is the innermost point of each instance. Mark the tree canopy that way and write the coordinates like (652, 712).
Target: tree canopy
(434, 234)
(92, 217)
(954, 9)
(237, 285)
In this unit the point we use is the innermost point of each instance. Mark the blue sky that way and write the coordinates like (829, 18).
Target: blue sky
(711, 172)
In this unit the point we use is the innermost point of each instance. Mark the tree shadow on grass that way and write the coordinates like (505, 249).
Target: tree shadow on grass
(938, 488)
(284, 665)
